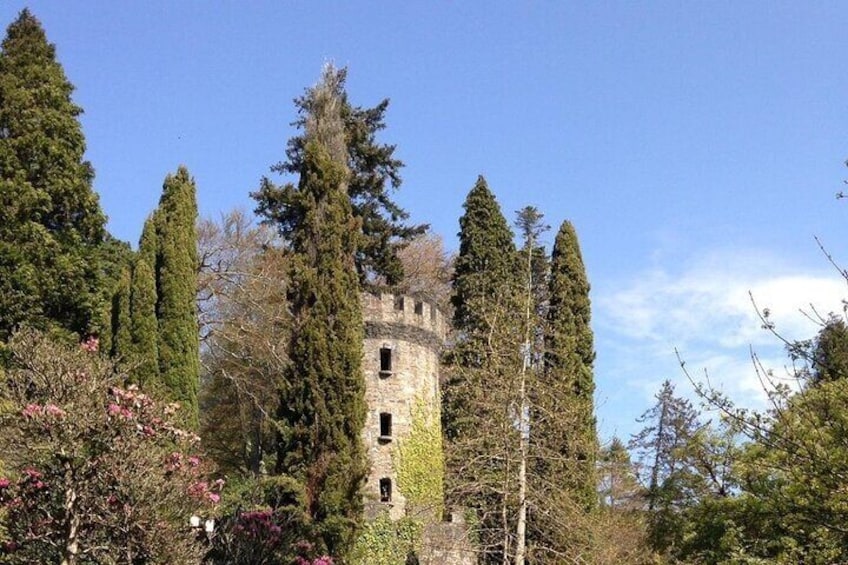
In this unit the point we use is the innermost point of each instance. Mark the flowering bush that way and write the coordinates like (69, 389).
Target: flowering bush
(94, 469)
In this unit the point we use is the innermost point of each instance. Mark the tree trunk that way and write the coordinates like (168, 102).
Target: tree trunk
(71, 526)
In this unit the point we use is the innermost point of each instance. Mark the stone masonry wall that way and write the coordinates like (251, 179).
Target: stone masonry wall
(413, 332)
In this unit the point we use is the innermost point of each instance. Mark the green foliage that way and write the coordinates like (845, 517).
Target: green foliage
(51, 225)
(121, 346)
(485, 266)
(481, 392)
(176, 274)
(143, 324)
(660, 448)
(373, 172)
(830, 357)
(383, 541)
(322, 409)
(261, 521)
(420, 462)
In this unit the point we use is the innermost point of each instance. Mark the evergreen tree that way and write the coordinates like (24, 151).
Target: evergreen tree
(51, 225)
(482, 400)
(660, 447)
(374, 171)
(830, 354)
(176, 273)
(144, 326)
(486, 264)
(121, 342)
(115, 260)
(566, 424)
(322, 407)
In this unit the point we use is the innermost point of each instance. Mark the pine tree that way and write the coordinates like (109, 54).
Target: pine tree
(51, 224)
(323, 405)
(660, 448)
(374, 171)
(176, 274)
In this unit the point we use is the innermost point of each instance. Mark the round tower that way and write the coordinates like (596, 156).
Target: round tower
(403, 340)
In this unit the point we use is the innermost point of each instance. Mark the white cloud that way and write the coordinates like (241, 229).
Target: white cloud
(705, 311)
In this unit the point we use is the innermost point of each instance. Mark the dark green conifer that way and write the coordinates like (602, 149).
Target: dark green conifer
(323, 404)
(51, 224)
(121, 342)
(144, 326)
(374, 172)
(830, 353)
(482, 392)
(484, 286)
(566, 424)
(176, 274)
(487, 260)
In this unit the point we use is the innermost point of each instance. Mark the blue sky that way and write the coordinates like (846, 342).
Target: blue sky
(696, 146)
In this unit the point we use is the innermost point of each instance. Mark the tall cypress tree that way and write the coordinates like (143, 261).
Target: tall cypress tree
(176, 274)
(566, 424)
(323, 405)
(51, 224)
(482, 395)
(487, 261)
(144, 326)
(121, 342)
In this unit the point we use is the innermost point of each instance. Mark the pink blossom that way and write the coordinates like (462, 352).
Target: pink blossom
(54, 411)
(92, 344)
(32, 473)
(32, 410)
(114, 409)
(4, 483)
(214, 497)
(173, 461)
(198, 489)
(194, 460)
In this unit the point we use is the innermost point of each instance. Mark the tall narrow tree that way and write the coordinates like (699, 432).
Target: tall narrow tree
(533, 272)
(51, 224)
(563, 430)
(176, 274)
(323, 404)
(481, 404)
(121, 334)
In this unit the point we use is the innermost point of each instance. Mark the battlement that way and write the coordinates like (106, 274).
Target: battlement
(395, 310)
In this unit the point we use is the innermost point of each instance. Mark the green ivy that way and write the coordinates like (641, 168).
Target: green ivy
(386, 542)
(420, 461)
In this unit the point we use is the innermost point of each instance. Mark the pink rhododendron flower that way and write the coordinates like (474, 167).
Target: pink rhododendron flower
(92, 344)
(214, 497)
(4, 483)
(54, 411)
(194, 460)
(31, 410)
(32, 473)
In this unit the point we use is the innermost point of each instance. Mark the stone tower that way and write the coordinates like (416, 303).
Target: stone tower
(403, 340)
